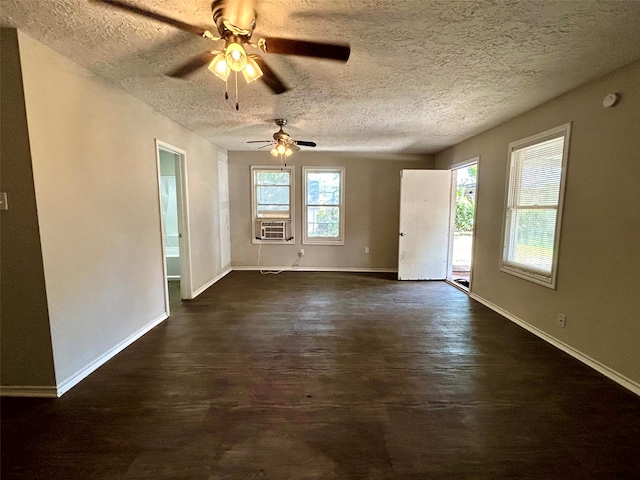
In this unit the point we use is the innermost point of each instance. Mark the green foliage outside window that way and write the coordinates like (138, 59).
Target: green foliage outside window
(465, 205)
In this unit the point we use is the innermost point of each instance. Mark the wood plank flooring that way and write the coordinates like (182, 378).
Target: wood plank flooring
(330, 376)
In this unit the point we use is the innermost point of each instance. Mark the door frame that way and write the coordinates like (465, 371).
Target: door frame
(455, 166)
(182, 195)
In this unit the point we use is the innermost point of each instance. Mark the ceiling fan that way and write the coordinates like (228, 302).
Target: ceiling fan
(283, 145)
(235, 21)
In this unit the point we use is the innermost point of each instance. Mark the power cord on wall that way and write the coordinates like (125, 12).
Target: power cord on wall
(296, 265)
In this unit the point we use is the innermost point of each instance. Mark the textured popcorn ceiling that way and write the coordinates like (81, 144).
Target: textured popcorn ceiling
(423, 74)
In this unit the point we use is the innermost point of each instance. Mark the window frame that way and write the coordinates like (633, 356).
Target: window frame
(254, 204)
(518, 270)
(306, 240)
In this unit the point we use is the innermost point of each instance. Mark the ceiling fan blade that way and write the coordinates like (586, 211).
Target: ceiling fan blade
(305, 144)
(155, 16)
(272, 81)
(289, 46)
(191, 66)
(264, 146)
(260, 141)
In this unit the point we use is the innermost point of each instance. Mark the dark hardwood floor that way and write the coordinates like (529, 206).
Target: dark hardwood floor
(330, 376)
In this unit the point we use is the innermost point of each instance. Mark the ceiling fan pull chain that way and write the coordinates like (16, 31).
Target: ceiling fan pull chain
(226, 88)
(237, 104)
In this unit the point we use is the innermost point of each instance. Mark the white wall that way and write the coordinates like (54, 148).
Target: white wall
(372, 203)
(95, 174)
(597, 285)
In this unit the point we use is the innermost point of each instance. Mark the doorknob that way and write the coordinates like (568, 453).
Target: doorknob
(402, 234)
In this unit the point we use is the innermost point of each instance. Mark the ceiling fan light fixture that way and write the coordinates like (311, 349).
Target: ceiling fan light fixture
(281, 148)
(219, 67)
(288, 152)
(274, 152)
(236, 56)
(252, 71)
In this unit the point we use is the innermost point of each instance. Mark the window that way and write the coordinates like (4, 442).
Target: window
(533, 211)
(323, 205)
(272, 191)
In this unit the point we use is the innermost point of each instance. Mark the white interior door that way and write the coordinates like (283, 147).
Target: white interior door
(425, 196)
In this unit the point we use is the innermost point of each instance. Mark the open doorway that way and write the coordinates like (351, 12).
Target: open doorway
(174, 222)
(463, 211)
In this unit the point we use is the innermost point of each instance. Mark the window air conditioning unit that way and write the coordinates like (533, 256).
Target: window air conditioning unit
(273, 229)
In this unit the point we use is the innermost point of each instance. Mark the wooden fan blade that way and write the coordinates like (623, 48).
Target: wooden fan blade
(305, 144)
(191, 66)
(288, 46)
(272, 81)
(260, 141)
(154, 16)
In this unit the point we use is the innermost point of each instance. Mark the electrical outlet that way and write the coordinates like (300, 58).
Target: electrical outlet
(366, 249)
(562, 320)
(301, 252)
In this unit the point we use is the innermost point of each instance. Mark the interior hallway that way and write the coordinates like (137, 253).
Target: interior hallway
(330, 376)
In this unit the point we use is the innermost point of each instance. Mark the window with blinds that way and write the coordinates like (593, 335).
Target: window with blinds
(533, 211)
(272, 192)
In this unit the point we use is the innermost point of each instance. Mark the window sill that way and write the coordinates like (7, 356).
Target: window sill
(257, 241)
(322, 242)
(545, 282)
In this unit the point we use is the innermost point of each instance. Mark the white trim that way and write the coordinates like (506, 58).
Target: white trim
(456, 166)
(292, 203)
(182, 185)
(84, 372)
(186, 274)
(341, 207)
(210, 282)
(458, 286)
(545, 280)
(465, 163)
(165, 292)
(317, 269)
(23, 391)
(596, 365)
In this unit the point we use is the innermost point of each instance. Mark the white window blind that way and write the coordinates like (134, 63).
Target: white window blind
(533, 209)
(272, 193)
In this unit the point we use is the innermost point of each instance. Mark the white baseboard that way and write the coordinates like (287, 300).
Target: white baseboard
(210, 282)
(74, 379)
(587, 360)
(317, 269)
(24, 391)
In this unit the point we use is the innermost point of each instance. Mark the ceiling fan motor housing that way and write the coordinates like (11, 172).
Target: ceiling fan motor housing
(217, 8)
(281, 135)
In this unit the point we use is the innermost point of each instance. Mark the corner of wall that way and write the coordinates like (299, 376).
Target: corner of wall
(26, 349)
